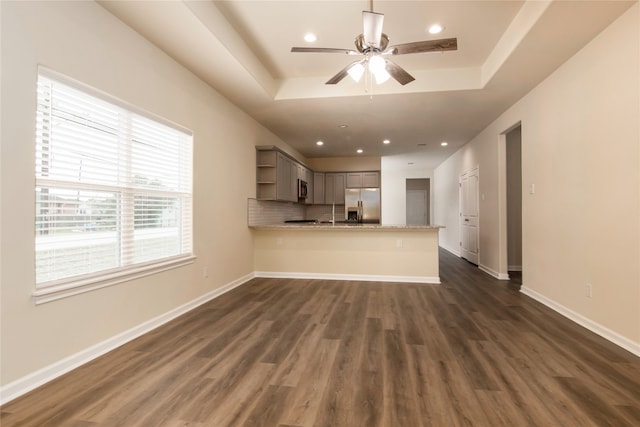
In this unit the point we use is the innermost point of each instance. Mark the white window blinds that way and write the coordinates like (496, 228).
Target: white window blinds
(113, 187)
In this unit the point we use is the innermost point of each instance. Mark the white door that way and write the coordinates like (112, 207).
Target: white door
(469, 187)
(416, 207)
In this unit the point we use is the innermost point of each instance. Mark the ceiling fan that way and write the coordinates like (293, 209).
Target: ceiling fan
(373, 44)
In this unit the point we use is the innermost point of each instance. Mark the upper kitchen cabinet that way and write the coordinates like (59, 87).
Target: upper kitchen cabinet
(287, 183)
(266, 175)
(305, 175)
(276, 176)
(334, 185)
(279, 177)
(363, 180)
(318, 188)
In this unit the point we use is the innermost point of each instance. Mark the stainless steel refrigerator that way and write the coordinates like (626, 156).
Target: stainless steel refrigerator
(362, 205)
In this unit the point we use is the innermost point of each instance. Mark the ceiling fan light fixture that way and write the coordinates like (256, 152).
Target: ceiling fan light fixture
(356, 71)
(381, 76)
(378, 67)
(376, 64)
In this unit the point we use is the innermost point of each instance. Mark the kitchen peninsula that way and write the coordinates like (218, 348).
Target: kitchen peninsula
(347, 252)
(325, 224)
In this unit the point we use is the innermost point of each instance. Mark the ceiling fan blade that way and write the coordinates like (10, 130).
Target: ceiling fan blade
(424, 46)
(372, 28)
(341, 75)
(398, 72)
(323, 50)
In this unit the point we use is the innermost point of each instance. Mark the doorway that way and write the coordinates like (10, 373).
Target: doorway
(514, 200)
(469, 216)
(417, 201)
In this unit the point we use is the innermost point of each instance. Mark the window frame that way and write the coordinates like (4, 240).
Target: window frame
(66, 286)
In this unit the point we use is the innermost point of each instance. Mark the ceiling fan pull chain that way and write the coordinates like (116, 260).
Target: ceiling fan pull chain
(369, 84)
(367, 79)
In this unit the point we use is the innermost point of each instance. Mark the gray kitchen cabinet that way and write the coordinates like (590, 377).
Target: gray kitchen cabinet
(308, 173)
(363, 180)
(334, 185)
(266, 175)
(286, 185)
(277, 176)
(370, 179)
(305, 174)
(318, 188)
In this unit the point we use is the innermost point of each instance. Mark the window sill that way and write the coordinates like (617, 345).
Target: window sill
(75, 287)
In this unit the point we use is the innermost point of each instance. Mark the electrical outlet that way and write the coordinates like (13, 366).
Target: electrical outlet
(399, 243)
(279, 241)
(205, 272)
(587, 290)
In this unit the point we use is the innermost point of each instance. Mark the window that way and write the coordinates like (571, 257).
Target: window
(113, 189)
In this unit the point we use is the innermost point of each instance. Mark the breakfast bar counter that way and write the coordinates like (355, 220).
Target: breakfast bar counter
(345, 226)
(343, 251)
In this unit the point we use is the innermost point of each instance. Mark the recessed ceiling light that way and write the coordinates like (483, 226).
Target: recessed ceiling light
(386, 141)
(319, 143)
(310, 37)
(436, 29)
(343, 126)
(359, 151)
(444, 143)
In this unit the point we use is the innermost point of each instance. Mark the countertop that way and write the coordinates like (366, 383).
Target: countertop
(344, 226)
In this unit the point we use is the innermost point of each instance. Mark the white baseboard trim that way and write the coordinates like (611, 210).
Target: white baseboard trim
(499, 276)
(594, 327)
(357, 277)
(35, 379)
(514, 268)
(451, 251)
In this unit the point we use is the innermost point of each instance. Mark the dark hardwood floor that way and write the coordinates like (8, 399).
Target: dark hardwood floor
(283, 353)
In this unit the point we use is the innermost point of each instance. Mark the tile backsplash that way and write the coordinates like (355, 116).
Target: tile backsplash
(324, 212)
(264, 212)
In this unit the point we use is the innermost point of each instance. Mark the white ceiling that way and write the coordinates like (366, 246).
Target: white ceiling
(242, 49)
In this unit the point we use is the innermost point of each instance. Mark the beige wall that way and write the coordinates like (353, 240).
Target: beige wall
(580, 148)
(83, 41)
